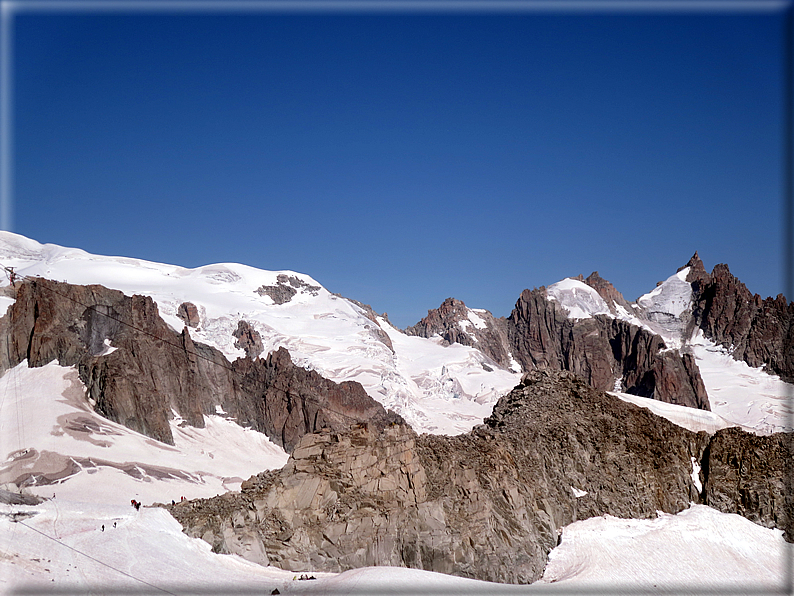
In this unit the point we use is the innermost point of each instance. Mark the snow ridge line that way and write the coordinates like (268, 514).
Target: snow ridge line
(34, 280)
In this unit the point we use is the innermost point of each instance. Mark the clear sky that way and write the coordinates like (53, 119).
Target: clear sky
(400, 158)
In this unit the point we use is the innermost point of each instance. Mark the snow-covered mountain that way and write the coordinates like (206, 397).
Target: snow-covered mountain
(746, 396)
(753, 397)
(436, 388)
(92, 467)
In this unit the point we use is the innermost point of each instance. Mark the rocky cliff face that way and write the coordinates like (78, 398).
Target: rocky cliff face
(752, 476)
(248, 339)
(456, 323)
(488, 504)
(137, 369)
(602, 350)
(756, 331)
(606, 351)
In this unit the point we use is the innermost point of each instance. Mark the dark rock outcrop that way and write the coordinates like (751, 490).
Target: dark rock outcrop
(294, 401)
(188, 312)
(155, 370)
(286, 287)
(451, 321)
(488, 504)
(752, 476)
(248, 339)
(759, 332)
(602, 350)
(16, 498)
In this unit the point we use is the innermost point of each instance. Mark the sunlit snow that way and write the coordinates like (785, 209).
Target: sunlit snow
(664, 306)
(577, 298)
(49, 431)
(689, 418)
(322, 331)
(697, 550)
(740, 393)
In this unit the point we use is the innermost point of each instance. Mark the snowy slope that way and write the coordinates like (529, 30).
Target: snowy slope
(578, 299)
(698, 548)
(688, 418)
(62, 546)
(322, 331)
(48, 429)
(741, 393)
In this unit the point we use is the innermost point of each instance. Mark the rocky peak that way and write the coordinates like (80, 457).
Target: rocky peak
(697, 276)
(694, 263)
(488, 504)
(759, 332)
(605, 351)
(477, 328)
(606, 290)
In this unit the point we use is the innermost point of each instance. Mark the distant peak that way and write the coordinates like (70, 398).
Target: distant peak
(604, 288)
(694, 263)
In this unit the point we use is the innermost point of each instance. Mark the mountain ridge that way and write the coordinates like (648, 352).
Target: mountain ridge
(226, 345)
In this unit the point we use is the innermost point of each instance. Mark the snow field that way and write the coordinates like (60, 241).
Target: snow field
(47, 427)
(61, 545)
(696, 550)
(688, 418)
(577, 298)
(740, 393)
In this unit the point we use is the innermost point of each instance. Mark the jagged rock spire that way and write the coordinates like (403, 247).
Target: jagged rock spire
(695, 263)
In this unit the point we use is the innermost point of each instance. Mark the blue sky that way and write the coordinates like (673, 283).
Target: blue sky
(403, 158)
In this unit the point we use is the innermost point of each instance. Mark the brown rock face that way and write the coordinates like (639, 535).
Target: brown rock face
(488, 504)
(602, 350)
(446, 321)
(188, 312)
(248, 339)
(756, 331)
(292, 401)
(155, 369)
(751, 476)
